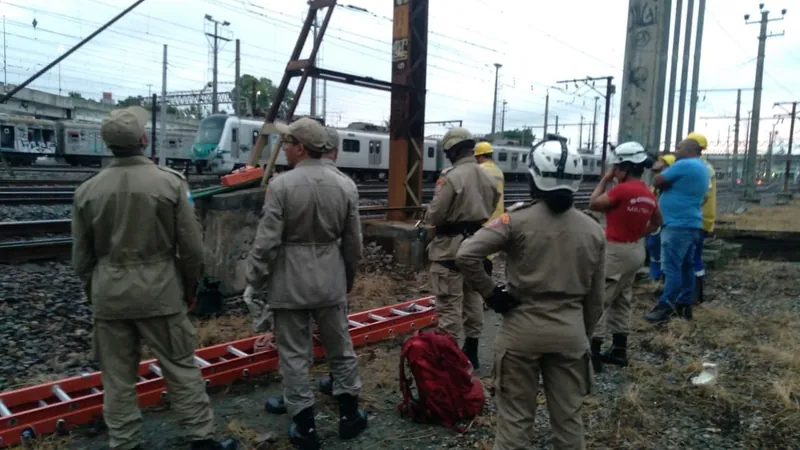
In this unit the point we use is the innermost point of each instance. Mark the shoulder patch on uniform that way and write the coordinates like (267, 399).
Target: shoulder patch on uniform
(503, 219)
(172, 171)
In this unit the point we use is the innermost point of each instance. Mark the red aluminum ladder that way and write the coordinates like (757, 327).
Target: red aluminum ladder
(59, 405)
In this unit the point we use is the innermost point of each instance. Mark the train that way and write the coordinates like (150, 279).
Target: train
(224, 142)
(24, 139)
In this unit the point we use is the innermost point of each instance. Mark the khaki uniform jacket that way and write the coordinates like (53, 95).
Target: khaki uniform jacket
(308, 242)
(555, 268)
(464, 193)
(137, 244)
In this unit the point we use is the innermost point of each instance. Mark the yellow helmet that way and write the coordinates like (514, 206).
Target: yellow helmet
(699, 138)
(668, 159)
(483, 148)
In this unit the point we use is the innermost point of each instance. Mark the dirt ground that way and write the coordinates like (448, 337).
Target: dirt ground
(750, 329)
(769, 218)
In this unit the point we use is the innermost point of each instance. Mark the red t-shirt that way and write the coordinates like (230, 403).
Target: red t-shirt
(635, 204)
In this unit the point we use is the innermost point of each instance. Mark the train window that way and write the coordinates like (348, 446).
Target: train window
(524, 157)
(377, 146)
(502, 156)
(430, 152)
(74, 137)
(255, 136)
(585, 162)
(172, 143)
(47, 135)
(234, 135)
(351, 146)
(371, 146)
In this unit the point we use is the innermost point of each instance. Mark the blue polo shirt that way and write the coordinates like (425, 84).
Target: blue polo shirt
(682, 202)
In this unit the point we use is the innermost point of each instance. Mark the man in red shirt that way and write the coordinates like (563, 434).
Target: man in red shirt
(631, 213)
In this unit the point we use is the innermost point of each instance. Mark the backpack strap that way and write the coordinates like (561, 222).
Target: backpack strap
(407, 405)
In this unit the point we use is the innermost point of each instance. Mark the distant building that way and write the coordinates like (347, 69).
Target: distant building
(107, 99)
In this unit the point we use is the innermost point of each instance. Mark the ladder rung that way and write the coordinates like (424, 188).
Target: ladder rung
(41, 403)
(142, 379)
(201, 362)
(4, 410)
(95, 391)
(155, 369)
(376, 317)
(236, 352)
(397, 312)
(355, 324)
(61, 394)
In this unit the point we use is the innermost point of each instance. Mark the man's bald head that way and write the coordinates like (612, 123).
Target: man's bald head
(688, 148)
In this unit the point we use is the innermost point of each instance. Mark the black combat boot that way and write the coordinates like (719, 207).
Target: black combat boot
(211, 444)
(470, 349)
(302, 431)
(275, 405)
(684, 312)
(698, 290)
(661, 313)
(597, 362)
(326, 385)
(352, 421)
(618, 354)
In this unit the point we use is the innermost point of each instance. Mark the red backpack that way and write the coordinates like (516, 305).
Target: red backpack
(448, 391)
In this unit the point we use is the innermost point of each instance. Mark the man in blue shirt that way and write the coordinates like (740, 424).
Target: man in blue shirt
(684, 185)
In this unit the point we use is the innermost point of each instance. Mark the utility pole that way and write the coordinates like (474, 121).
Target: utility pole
(673, 76)
(237, 88)
(5, 51)
(610, 89)
(735, 170)
(750, 182)
(745, 155)
(497, 67)
(215, 46)
(594, 124)
(787, 173)
(313, 108)
(580, 134)
(325, 100)
(768, 163)
(546, 112)
(556, 130)
(503, 120)
(687, 42)
(153, 128)
(728, 150)
(163, 147)
(698, 44)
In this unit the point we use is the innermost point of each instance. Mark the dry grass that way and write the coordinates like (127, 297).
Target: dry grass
(756, 398)
(775, 218)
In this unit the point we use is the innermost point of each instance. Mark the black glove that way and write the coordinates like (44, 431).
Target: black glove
(501, 301)
(351, 280)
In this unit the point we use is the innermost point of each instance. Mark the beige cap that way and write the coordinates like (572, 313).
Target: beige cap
(333, 138)
(455, 136)
(308, 132)
(124, 128)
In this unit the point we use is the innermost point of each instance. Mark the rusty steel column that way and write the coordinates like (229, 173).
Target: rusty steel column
(407, 120)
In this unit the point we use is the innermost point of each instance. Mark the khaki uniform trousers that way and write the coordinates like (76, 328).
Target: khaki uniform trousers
(567, 380)
(293, 338)
(457, 305)
(623, 260)
(173, 339)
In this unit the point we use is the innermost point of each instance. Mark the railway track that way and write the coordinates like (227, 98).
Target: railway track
(57, 243)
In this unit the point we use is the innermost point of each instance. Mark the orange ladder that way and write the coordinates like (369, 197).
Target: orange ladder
(59, 405)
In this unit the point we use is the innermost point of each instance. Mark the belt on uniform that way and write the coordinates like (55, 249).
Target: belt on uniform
(458, 228)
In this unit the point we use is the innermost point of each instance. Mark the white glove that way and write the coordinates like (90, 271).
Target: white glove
(658, 230)
(261, 312)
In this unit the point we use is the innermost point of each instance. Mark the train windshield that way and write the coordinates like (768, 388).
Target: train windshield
(210, 130)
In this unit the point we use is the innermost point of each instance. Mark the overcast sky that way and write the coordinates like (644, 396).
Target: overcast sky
(537, 42)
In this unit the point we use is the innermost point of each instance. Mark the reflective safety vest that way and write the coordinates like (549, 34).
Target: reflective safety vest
(493, 171)
(710, 201)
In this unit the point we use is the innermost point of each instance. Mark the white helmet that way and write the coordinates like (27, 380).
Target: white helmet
(554, 166)
(632, 152)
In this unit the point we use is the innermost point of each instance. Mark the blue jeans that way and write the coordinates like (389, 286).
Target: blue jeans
(677, 260)
(653, 245)
(699, 267)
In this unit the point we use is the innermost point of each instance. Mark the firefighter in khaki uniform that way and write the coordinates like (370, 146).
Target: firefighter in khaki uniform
(306, 250)
(464, 198)
(483, 154)
(556, 278)
(137, 246)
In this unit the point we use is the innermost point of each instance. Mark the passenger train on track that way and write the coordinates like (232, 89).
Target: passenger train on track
(224, 143)
(24, 139)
